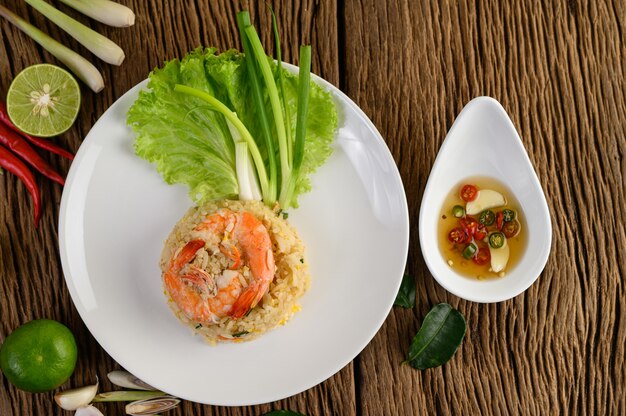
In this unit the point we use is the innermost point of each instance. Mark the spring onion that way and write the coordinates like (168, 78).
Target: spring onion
(99, 45)
(248, 186)
(81, 67)
(246, 175)
(281, 87)
(272, 92)
(243, 20)
(243, 131)
(304, 82)
(104, 11)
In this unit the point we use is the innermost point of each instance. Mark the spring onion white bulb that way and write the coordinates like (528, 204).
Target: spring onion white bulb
(81, 67)
(248, 185)
(104, 11)
(246, 174)
(99, 45)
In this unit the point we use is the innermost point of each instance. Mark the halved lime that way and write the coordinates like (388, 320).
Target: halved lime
(43, 100)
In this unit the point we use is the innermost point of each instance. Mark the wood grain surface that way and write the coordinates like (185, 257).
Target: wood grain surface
(558, 68)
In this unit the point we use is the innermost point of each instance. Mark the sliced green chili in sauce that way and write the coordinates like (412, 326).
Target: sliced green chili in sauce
(497, 240)
(458, 211)
(487, 217)
(508, 215)
(469, 251)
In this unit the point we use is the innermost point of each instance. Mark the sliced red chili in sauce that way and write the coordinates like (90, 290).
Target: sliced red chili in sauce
(457, 235)
(468, 193)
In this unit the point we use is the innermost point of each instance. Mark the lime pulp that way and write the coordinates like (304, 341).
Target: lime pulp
(43, 100)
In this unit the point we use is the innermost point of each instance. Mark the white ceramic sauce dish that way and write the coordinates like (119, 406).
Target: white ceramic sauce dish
(483, 142)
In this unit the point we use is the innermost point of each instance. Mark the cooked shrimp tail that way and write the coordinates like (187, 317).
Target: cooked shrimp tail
(246, 301)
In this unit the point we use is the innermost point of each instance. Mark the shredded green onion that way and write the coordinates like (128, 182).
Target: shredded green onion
(81, 67)
(99, 45)
(104, 11)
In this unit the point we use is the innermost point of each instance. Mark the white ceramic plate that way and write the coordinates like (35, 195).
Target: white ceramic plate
(483, 142)
(116, 212)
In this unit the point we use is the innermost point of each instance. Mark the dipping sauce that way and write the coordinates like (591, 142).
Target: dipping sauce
(481, 229)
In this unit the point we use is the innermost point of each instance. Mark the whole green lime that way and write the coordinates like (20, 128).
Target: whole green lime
(39, 355)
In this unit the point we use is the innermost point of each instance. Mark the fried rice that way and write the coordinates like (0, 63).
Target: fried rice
(290, 282)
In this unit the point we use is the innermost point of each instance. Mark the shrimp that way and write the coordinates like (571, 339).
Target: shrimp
(242, 239)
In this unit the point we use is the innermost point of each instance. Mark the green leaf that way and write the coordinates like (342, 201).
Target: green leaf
(189, 142)
(406, 294)
(441, 334)
(282, 413)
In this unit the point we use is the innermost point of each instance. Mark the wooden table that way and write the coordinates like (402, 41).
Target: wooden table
(558, 68)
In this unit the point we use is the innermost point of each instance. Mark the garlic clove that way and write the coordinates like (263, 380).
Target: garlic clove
(88, 411)
(75, 398)
(125, 379)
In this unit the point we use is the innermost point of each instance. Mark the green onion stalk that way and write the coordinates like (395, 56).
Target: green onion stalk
(99, 45)
(272, 91)
(243, 21)
(246, 174)
(241, 128)
(304, 81)
(281, 86)
(80, 66)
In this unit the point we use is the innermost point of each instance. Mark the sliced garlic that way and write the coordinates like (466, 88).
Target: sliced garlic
(499, 257)
(486, 198)
(88, 411)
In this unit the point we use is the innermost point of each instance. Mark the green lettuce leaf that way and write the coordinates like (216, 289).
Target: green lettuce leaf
(192, 145)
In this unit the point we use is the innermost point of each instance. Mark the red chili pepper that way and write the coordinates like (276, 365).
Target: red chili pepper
(499, 220)
(14, 165)
(37, 141)
(481, 232)
(469, 224)
(20, 147)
